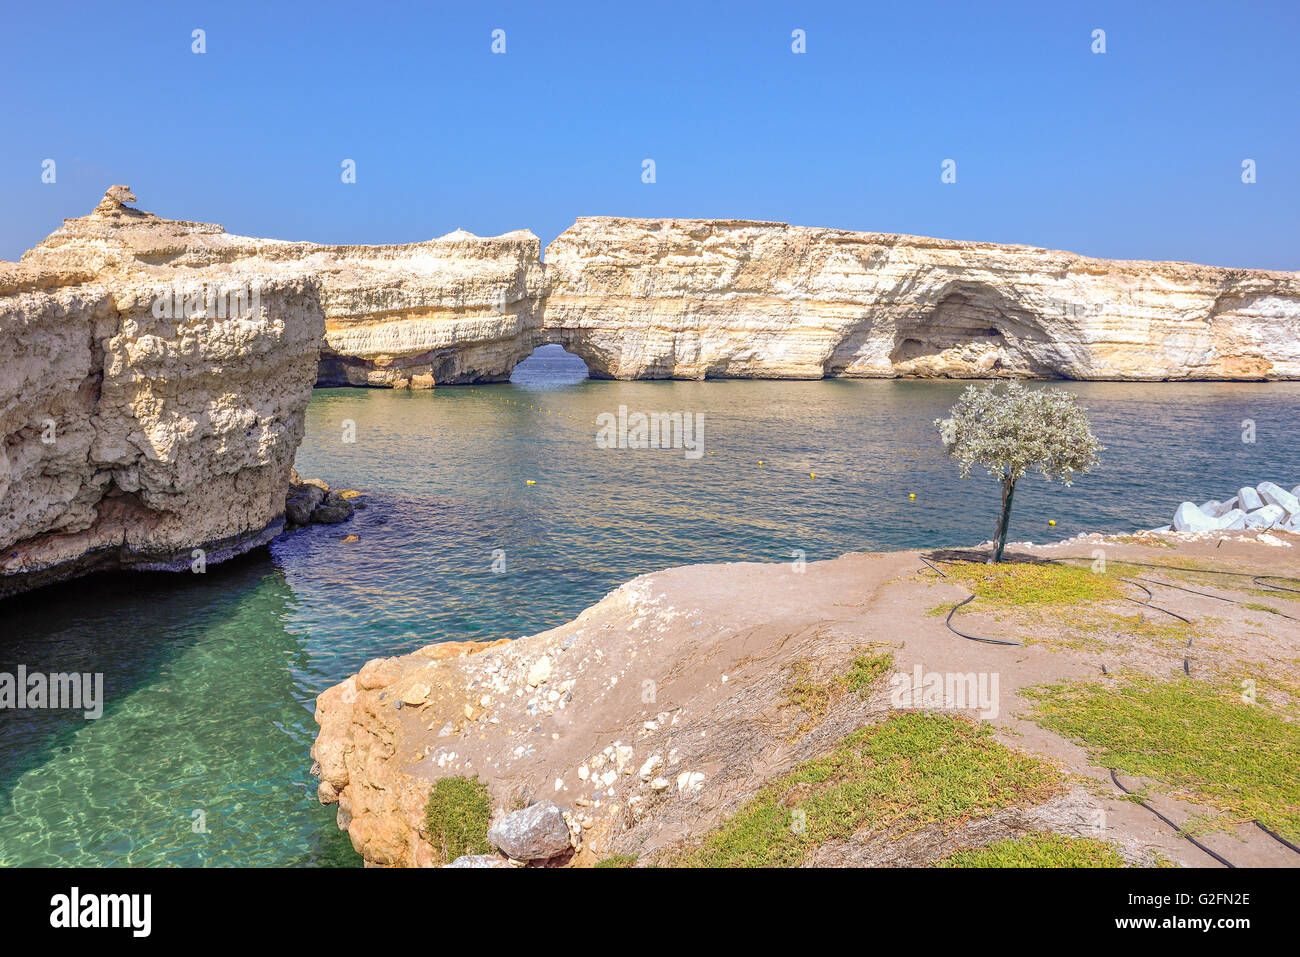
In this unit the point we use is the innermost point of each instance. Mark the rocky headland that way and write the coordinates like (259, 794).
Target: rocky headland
(150, 407)
(692, 715)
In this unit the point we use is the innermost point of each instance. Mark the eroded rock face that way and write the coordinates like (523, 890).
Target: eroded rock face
(642, 727)
(459, 308)
(716, 298)
(694, 299)
(133, 433)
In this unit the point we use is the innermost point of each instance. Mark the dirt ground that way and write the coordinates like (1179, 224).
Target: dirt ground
(661, 709)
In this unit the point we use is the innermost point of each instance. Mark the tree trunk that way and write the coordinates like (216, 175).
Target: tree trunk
(1000, 540)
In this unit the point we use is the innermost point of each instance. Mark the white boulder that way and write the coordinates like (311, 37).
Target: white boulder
(1266, 517)
(1276, 495)
(1212, 508)
(1189, 518)
(1233, 521)
(1248, 499)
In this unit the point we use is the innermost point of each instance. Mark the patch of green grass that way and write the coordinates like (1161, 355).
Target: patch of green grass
(1038, 850)
(866, 669)
(1019, 584)
(617, 860)
(814, 697)
(1260, 606)
(910, 771)
(1198, 739)
(457, 818)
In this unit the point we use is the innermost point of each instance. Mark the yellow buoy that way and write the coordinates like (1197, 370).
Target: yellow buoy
(760, 461)
(529, 482)
(911, 495)
(1051, 521)
(812, 474)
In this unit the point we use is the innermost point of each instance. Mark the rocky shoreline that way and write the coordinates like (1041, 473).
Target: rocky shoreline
(1267, 505)
(655, 714)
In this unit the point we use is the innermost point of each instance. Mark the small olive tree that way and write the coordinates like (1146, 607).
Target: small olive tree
(1014, 432)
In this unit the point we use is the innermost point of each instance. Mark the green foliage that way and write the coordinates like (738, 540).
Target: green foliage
(866, 669)
(1201, 740)
(814, 698)
(912, 770)
(457, 818)
(1019, 430)
(617, 860)
(1038, 850)
(1022, 584)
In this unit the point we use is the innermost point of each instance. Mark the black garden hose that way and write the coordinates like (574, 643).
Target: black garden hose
(1181, 833)
(1261, 580)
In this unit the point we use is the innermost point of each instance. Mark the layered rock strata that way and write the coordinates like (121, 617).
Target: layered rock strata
(696, 299)
(701, 299)
(459, 308)
(149, 412)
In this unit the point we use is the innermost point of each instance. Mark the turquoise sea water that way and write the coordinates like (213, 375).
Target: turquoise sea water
(210, 679)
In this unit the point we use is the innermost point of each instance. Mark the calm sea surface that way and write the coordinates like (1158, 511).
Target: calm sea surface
(201, 756)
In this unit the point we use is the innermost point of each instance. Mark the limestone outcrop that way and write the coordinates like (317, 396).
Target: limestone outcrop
(459, 308)
(701, 299)
(696, 299)
(149, 411)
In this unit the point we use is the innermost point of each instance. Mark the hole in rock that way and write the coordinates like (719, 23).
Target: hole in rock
(550, 365)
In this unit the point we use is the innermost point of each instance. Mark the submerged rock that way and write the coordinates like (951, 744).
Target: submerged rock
(333, 510)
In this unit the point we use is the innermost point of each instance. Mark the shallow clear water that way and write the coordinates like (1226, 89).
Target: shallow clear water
(210, 679)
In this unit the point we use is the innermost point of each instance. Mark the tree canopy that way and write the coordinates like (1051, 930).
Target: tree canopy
(1020, 430)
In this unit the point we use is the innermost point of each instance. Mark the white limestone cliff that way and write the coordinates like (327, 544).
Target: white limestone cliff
(727, 298)
(132, 434)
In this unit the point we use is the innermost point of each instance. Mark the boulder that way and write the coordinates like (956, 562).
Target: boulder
(1248, 499)
(1276, 495)
(1232, 521)
(538, 832)
(333, 510)
(1212, 508)
(301, 502)
(1189, 518)
(1296, 491)
(1266, 517)
(479, 860)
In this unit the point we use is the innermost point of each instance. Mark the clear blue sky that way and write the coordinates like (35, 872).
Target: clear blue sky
(1135, 153)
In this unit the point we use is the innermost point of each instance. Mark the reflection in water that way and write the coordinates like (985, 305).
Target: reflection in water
(210, 679)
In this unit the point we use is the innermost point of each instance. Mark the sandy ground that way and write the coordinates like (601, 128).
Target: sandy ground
(662, 708)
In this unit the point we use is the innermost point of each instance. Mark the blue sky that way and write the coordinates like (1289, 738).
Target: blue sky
(1134, 153)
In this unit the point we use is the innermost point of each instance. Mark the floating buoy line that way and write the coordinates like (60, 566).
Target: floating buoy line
(763, 463)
